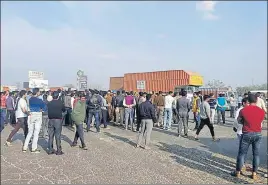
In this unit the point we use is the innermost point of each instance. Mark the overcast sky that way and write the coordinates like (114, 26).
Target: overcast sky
(224, 40)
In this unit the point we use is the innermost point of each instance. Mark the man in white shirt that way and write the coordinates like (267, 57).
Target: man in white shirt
(260, 103)
(21, 113)
(168, 111)
(238, 127)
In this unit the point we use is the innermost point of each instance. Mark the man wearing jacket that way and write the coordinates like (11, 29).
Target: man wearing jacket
(94, 109)
(148, 118)
(196, 109)
(119, 107)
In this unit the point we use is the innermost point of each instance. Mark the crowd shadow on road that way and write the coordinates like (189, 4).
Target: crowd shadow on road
(220, 148)
(201, 160)
(125, 140)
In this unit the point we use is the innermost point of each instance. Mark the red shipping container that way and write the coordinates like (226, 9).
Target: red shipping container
(159, 81)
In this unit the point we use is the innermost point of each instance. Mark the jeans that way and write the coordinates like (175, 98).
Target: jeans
(160, 115)
(79, 134)
(54, 130)
(129, 117)
(22, 123)
(105, 117)
(3, 118)
(204, 122)
(247, 139)
(183, 123)
(10, 117)
(232, 112)
(167, 118)
(196, 119)
(96, 114)
(213, 112)
(68, 119)
(146, 130)
(44, 128)
(221, 114)
(34, 126)
(121, 115)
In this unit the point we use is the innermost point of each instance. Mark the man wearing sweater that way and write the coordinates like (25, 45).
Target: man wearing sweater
(55, 108)
(129, 102)
(205, 118)
(251, 117)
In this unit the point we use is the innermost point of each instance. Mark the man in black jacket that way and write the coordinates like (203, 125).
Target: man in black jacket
(148, 118)
(55, 110)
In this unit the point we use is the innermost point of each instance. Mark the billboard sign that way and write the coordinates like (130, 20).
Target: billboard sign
(36, 83)
(36, 75)
(141, 85)
(82, 83)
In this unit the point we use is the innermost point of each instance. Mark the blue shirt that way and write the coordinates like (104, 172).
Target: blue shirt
(221, 102)
(36, 104)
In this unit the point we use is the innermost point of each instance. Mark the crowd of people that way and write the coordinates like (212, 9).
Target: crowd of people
(42, 114)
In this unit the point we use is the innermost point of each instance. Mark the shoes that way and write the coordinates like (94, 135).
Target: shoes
(59, 153)
(83, 147)
(8, 143)
(36, 151)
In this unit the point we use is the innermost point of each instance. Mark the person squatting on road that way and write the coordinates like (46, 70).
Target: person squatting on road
(78, 116)
(55, 110)
(148, 118)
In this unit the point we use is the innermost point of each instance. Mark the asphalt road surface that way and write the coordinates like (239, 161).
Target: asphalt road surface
(112, 158)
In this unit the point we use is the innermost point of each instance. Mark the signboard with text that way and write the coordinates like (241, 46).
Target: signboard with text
(35, 75)
(36, 83)
(82, 83)
(140, 85)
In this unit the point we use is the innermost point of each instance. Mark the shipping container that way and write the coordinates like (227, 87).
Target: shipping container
(116, 83)
(161, 80)
(4, 88)
(215, 91)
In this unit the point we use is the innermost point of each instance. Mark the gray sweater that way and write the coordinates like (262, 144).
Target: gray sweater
(204, 110)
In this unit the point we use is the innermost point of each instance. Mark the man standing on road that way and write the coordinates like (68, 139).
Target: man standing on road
(168, 111)
(183, 109)
(68, 108)
(159, 102)
(212, 102)
(21, 113)
(55, 108)
(35, 121)
(233, 106)
(260, 103)
(10, 102)
(119, 109)
(221, 107)
(129, 102)
(251, 117)
(44, 129)
(78, 116)
(94, 109)
(205, 118)
(196, 110)
(3, 110)
(147, 116)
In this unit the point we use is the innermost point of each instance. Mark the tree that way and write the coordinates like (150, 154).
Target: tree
(243, 89)
(215, 84)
